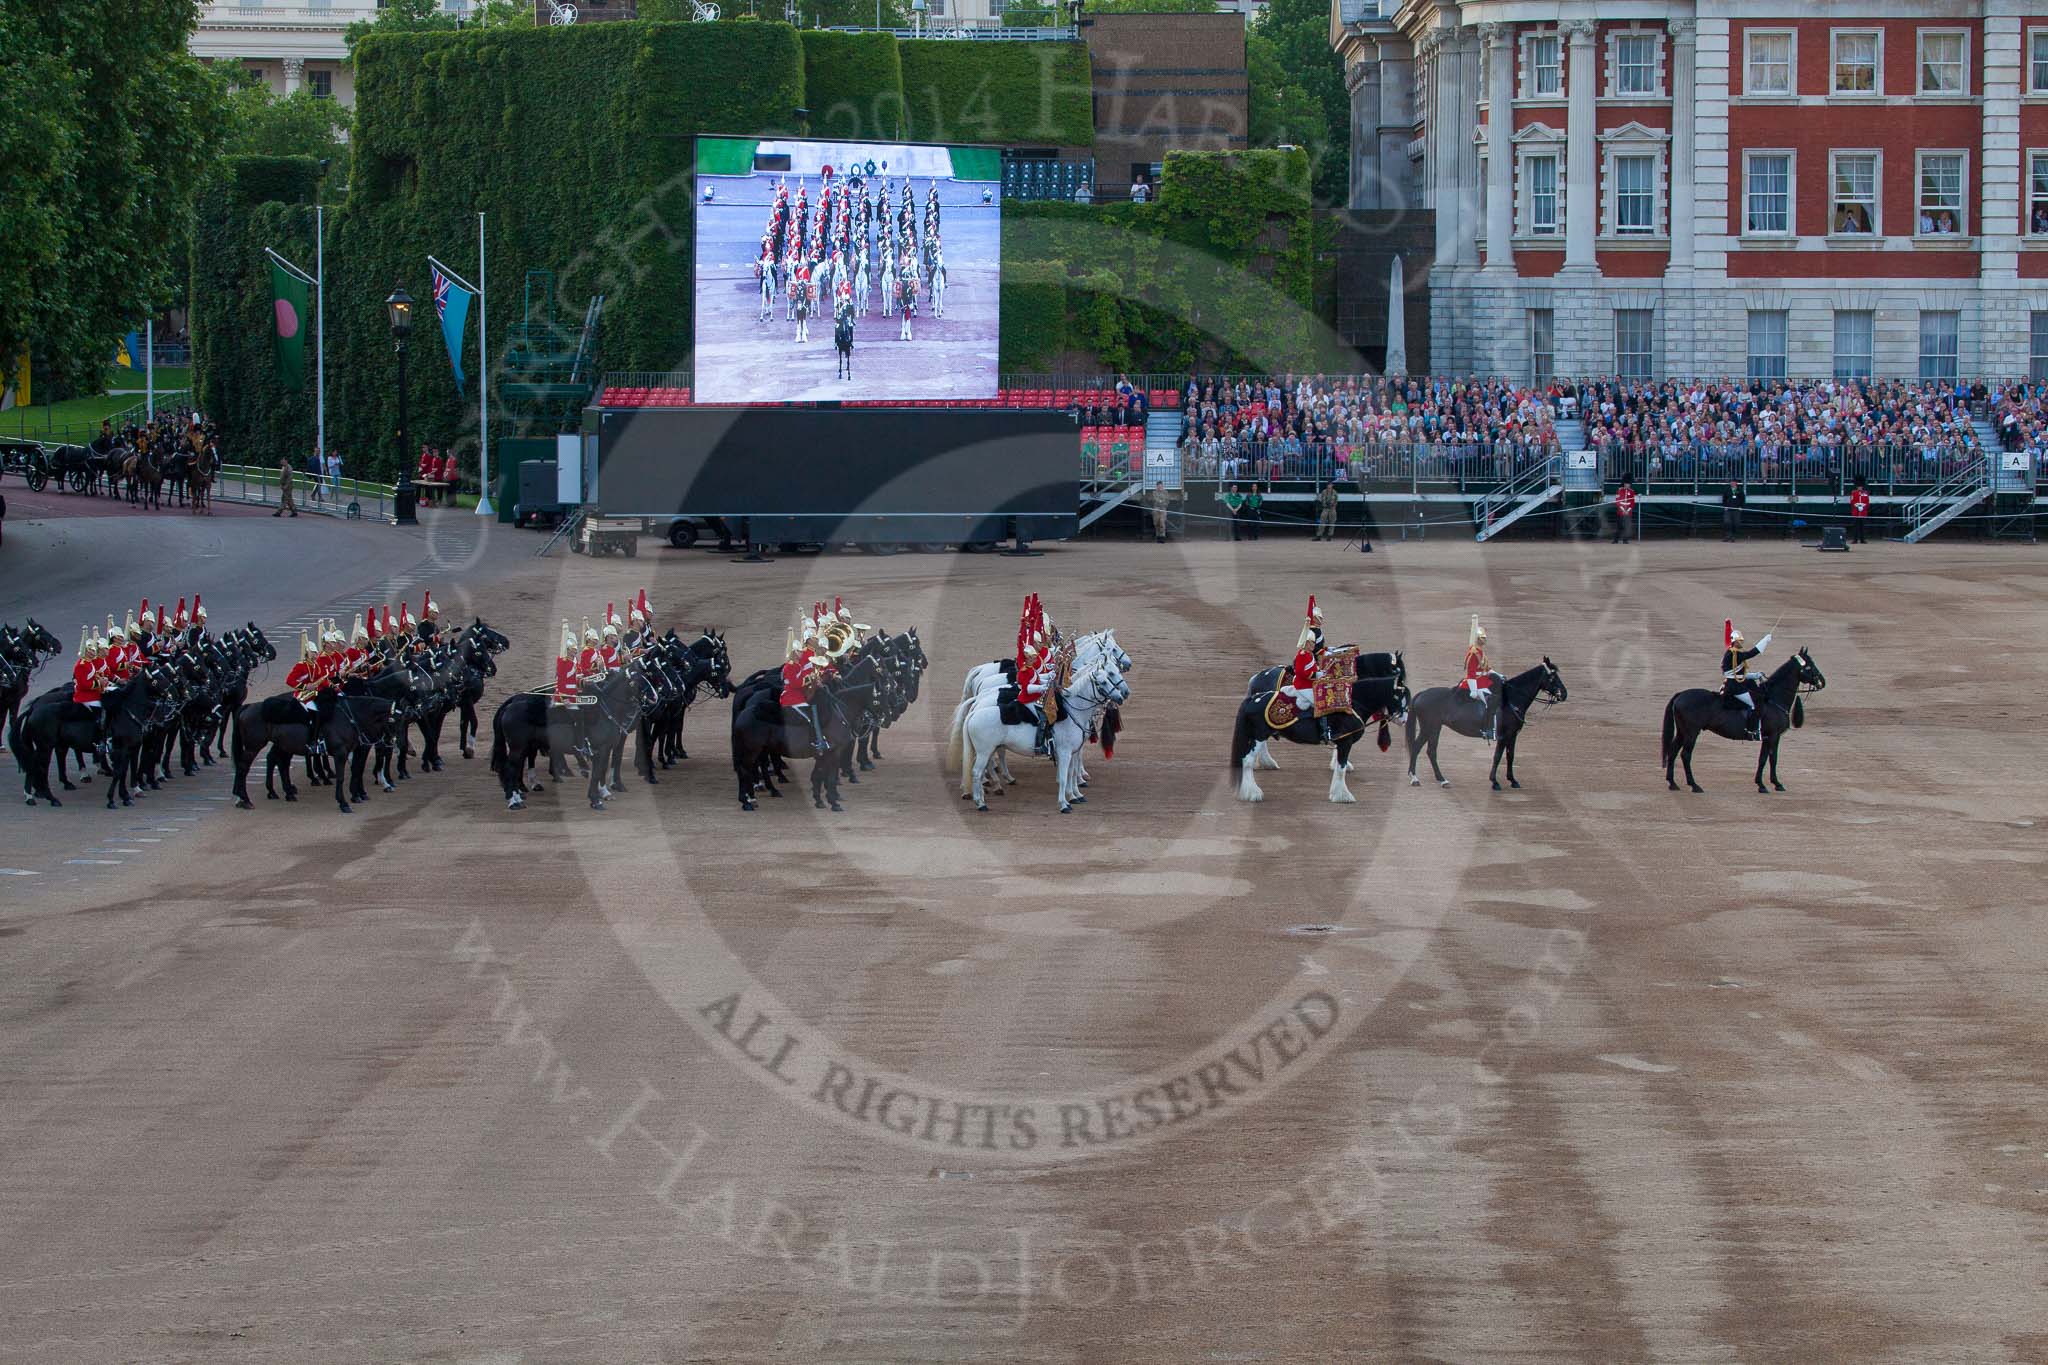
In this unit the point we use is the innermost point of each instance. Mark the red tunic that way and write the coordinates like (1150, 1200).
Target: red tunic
(303, 678)
(1032, 680)
(794, 692)
(1859, 503)
(1625, 502)
(1475, 664)
(88, 681)
(588, 663)
(566, 679)
(610, 655)
(1305, 669)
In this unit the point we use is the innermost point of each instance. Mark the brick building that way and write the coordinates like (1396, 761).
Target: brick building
(1721, 188)
(1164, 82)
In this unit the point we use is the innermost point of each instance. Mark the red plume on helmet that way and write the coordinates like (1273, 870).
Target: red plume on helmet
(1728, 633)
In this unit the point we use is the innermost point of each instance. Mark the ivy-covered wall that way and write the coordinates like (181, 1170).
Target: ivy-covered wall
(1219, 272)
(853, 84)
(1037, 93)
(247, 204)
(578, 144)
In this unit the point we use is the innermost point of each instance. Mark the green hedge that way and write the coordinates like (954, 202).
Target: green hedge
(853, 84)
(1036, 93)
(1219, 273)
(247, 204)
(578, 143)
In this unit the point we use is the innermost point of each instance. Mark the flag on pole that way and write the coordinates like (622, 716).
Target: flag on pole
(128, 352)
(451, 305)
(288, 323)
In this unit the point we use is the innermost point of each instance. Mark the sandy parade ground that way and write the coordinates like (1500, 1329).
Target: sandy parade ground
(1585, 1071)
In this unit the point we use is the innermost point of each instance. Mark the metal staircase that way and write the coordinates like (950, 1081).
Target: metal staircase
(1517, 498)
(1162, 434)
(1947, 500)
(1571, 434)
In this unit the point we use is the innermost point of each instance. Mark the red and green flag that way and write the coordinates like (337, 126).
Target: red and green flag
(288, 326)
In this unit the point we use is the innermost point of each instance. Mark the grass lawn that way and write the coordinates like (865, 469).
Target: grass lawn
(167, 377)
(75, 419)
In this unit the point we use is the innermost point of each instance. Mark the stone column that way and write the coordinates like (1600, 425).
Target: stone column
(1465, 90)
(1683, 76)
(294, 74)
(1582, 155)
(2004, 328)
(1500, 146)
(1440, 154)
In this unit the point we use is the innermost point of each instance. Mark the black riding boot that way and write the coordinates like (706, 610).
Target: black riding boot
(1043, 743)
(1322, 729)
(818, 744)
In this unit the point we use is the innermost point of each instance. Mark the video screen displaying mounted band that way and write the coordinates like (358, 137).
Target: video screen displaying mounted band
(941, 468)
(846, 270)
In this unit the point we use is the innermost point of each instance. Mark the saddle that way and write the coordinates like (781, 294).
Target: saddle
(1280, 712)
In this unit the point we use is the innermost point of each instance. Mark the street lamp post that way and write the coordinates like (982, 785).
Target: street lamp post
(405, 509)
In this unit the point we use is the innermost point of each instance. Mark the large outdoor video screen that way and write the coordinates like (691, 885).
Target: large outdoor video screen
(846, 270)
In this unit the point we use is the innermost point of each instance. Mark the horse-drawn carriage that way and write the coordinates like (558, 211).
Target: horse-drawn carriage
(80, 468)
(27, 459)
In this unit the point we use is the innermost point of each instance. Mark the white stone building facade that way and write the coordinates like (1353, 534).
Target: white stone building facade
(292, 45)
(1723, 188)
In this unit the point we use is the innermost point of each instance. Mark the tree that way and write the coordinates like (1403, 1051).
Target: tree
(106, 125)
(262, 123)
(1309, 104)
(427, 16)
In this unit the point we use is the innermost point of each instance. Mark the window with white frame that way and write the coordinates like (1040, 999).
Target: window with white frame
(321, 83)
(1855, 63)
(1767, 194)
(1855, 349)
(1940, 198)
(1542, 67)
(2038, 371)
(1542, 194)
(2037, 194)
(1635, 195)
(1635, 342)
(1768, 62)
(2037, 61)
(1632, 64)
(1767, 343)
(1939, 331)
(1543, 344)
(1853, 208)
(1944, 61)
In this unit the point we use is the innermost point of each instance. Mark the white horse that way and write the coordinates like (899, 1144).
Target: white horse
(789, 263)
(764, 269)
(861, 283)
(980, 734)
(888, 284)
(939, 285)
(988, 679)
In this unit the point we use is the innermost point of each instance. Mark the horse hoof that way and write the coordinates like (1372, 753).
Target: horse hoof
(1698, 790)
(348, 810)
(746, 805)
(597, 805)
(1080, 800)
(69, 787)
(852, 780)
(1496, 786)
(124, 801)
(1443, 782)
(515, 804)
(836, 806)
(817, 803)
(1066, 810)
(1414, 781)
(1777, 786)
(242, 804)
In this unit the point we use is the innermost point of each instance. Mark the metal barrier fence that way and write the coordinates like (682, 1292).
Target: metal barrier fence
(1884, 469)
(327, 497)
(1462, 465)
(19, 423)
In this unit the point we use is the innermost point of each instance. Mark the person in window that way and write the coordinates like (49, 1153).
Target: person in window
(2040, 227)
(1926, 222)
(1944, 222)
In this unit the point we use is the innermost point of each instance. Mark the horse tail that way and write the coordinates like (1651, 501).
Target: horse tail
(1798, 712)
(500, 751)
(1241, 737)
(1670, 733)
(956, 736)
(14, 742)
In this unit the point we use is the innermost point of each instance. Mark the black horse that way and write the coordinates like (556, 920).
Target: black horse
(529, 724)
(22, 652)
(1437, 707)
(1379, 699)
(54, 725)
(842, 341)
(761, 733)
(1699, 710)
(351, 725)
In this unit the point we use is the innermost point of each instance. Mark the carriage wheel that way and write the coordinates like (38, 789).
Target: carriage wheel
(35, 478)
(77, 480)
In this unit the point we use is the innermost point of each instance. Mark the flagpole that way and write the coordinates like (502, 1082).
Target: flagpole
(320, 355)
(149, 367)
(483, 378)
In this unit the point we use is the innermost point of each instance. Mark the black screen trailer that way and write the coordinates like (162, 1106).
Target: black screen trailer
(830, 475)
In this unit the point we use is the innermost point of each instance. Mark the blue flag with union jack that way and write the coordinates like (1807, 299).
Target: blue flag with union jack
(451, 305)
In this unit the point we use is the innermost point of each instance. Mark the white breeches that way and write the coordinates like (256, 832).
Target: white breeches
(1477, 690)
(1304, 698)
